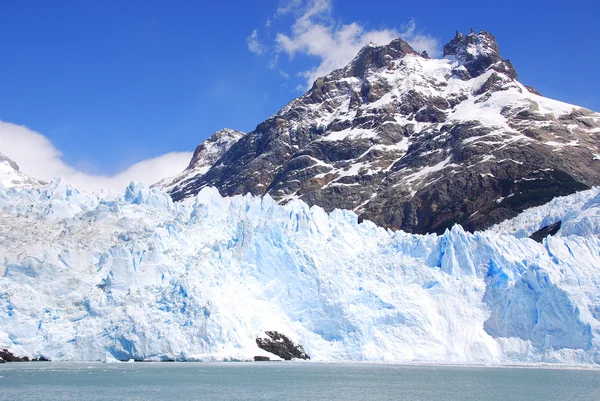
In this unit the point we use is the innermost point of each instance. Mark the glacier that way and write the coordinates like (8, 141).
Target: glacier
(133, 275)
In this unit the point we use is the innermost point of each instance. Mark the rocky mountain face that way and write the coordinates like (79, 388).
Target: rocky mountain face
(414, 143)
(205, 156)
(11, 177)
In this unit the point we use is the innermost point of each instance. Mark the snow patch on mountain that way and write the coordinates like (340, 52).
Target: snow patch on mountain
(88, 277)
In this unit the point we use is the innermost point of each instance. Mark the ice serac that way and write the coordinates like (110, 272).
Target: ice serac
(416, 143)
(137, 276)
(12, 177)
(205, 156)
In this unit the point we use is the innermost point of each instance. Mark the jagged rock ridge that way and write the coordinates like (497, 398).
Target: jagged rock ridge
(416, 143)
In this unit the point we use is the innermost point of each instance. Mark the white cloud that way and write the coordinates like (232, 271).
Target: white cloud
(254, 44)
(315, 33)
(38, 158)
(420, 41)
(273, 63)
(288, 6)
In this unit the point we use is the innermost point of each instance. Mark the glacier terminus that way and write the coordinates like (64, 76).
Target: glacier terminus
(110, 276)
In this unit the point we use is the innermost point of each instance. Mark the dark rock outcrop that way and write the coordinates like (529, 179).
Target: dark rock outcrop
(7, 356)
(280, 345)
(415, 144)
(544, 232)
(261, 359)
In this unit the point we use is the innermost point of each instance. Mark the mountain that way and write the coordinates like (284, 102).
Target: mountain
(415, 143)
(11, 177)
(205, 156)
(137, 276)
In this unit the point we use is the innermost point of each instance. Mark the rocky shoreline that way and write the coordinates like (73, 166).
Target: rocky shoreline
(7, 356)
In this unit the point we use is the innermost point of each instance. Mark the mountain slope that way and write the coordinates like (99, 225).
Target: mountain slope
(205, 155)
(11, 177)
(138, 276)
(416, 143)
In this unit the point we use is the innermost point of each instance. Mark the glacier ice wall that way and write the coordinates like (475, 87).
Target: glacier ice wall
(96, 277)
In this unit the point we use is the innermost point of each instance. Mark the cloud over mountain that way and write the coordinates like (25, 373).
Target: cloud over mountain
(39, 158)
(315, 32)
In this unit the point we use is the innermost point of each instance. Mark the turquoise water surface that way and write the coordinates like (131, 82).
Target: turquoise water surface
(289, 381)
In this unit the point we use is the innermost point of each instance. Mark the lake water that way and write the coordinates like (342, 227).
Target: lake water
(289, 381)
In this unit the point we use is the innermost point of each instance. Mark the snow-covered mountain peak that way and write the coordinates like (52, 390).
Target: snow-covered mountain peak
(478, 52)
(205, 156)
(211, 149)
(416, 143)
(376, 57)
(5, 160)
(12, 177)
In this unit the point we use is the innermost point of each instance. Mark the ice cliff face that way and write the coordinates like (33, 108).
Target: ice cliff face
(416, 143)
(84, 277)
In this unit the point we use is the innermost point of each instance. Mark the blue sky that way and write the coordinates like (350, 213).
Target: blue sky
(111, 83)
